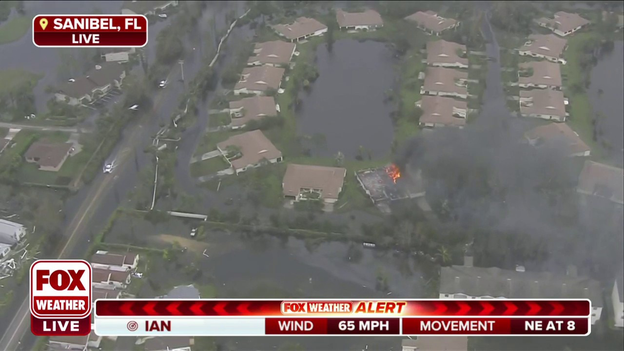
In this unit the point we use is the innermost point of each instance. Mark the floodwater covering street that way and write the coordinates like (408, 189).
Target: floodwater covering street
(346, 102)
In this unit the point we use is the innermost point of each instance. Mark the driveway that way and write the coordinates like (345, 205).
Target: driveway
(206, 156)
(43, 128)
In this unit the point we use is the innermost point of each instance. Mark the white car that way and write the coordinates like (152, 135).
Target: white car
(193, 232)
(133, 107)
(108, 168)
(163, 15)
(163, 83)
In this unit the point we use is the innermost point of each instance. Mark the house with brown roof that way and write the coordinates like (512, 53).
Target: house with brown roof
(558, 134)
(435, 343)
(48, 156)
(603, 181)
(249, 150)
(115, 262)
(170, 343)
(308, 182)
(545, 104)
(71, 343)
(366, 20)
(442, 53)
(431, 22)
(441, 111)
(545, 46)
(94, 84)
(257, 80)
(107, 279)
(563, 23)
(445, 82)
(302, 28)
(539, 74)
(272, 53)
(251, 108)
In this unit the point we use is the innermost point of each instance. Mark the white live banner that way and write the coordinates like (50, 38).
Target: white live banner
(179, 326)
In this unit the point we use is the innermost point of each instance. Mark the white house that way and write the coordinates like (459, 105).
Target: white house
(301, 29)
(539, 74)
(249, 150)
(442, 53)
(366, 20)
(564, 23)
(543, 103)
(617, 300)
(468, 282)
(118, 54)
(115, 262)
(10, 232)
(445, 82)
(546, 46)
(258, 80)
(135, 7)
(94, 84)
(309, 182)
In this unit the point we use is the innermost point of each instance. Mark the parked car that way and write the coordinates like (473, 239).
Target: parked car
(163, 83)
(108, 168)
(193, 232)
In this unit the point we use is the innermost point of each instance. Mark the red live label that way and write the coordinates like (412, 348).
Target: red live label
(60, 289)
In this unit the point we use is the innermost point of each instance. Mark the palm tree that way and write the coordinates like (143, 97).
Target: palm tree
(444, 255)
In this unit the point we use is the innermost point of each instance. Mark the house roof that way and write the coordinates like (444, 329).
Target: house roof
(167, 343)
(438, 343)
(558, 133)
(275, 52)
(544, 73)
(254, 147)
(260, 78)
(365, 18)
(183, 292)
(80, 87)
(545, 44)
(563, 21)
(48, 154)
(104, 275)
(105, 73)
(254, 108)
(142, 7)
(328, 180)
(496, 282)
(109, 258)
(444, 79)
(104, 294)
(7, 231)
(73, 340)
(431, 21)
(439, 110)
(602, 180)
(301, 27)
(442, 51)
(542, 102)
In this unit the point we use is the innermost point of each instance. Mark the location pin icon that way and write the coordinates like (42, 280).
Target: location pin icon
(44, 23)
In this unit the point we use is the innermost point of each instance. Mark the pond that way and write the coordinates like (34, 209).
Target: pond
(346, 103)
(605, 93)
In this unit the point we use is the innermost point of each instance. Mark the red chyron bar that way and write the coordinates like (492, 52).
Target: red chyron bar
(344, 308)
(90, 30)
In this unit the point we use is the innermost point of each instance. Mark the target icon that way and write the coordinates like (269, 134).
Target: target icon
(133, 326)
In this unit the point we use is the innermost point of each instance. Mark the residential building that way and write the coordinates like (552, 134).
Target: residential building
(539, 74)
(49, 157)
(558, 134)
(107, 279)
(308, 182)
(249, 150)
(442, 53)
(617, 301)
(4, 250)
(468, 282)
(94, 84)
(183, 292)
(445, 82)
(438, 111)
(99, 293)
(257, 80)
(546, 46)
(10, 232)
(135, 7)
(272, 53)
(563, 23)
(366, 20)
(436, 343)
(545, 104)
(170, 343)
(119, 55)
(603, 181)
(251, 108)
(431, 22)
(301, 29)
(115, 262)
(72, 343)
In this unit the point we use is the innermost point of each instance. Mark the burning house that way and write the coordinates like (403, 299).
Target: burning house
(385, 185)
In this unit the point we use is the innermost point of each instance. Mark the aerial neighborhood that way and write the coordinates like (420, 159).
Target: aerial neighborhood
(440, 150)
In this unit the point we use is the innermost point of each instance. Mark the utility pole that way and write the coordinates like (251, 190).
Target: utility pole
(181, 62)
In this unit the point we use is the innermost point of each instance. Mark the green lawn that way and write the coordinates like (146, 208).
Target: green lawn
(30, 173)
(219, 119)
(406, 124)
(12, 78)
(55, 137)
(14, 29)
(210, 140)
(209, 166)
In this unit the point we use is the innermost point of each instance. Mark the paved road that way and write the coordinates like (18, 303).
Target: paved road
(79, 224)
(44, 128)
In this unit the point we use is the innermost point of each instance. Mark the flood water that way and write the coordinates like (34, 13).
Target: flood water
(346, 103)
(605, 93)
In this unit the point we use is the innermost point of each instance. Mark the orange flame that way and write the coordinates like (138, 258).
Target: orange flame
(394, 172)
